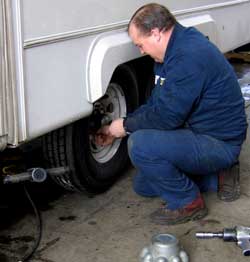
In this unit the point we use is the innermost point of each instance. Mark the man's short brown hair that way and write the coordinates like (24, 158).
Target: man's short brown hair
(152, 16)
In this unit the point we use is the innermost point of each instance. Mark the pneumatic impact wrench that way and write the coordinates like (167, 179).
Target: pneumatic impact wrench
(238, 234)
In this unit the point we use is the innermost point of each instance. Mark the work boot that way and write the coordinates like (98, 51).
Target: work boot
(229, 183)
(193, 211)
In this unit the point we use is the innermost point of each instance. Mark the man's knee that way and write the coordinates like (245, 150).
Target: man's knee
(137, 145)
(146, 146)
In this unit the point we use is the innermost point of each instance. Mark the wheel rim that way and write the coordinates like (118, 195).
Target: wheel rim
(112, 106)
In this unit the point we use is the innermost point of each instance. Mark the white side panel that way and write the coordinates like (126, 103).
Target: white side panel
(71, 49)
(54, 85)
(232, 26)
(204, 23)
(46, 17)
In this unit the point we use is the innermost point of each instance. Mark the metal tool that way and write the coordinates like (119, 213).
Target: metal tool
(37, 175)
(164, 248)
(238, 234)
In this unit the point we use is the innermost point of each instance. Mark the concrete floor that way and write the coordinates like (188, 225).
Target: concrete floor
(115, 226)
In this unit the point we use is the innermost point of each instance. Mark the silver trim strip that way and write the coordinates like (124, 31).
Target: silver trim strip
(209, 7)
(20, 70)
(115, 26)
(73, 34)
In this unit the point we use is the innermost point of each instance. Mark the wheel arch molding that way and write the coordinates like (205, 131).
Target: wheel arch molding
(106, 53)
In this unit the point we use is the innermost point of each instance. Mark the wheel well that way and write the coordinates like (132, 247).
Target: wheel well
(141, 72)
(144, 70)
(125, 75)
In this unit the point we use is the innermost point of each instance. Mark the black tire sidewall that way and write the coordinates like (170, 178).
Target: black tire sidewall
(93, 175)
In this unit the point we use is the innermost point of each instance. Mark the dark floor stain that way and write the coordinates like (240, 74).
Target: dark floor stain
(245, 194)
(92, 223)
(91, 196)
(23, 249)
(189, 231)
(49, 244)
(9, 239)
(26, 239)
(3, 258)
(46, 207)
(68, 218)
(209, 221)
(44, 259)
(5, 240)
(7, 249)
(9, 255)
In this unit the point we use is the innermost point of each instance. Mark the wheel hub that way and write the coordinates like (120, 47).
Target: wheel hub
(110, 107)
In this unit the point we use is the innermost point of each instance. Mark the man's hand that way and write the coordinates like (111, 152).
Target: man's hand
(104, 140)
(107, 134)
(116, 128)
(103, 137)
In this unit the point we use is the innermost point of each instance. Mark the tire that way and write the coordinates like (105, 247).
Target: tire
(92, 168)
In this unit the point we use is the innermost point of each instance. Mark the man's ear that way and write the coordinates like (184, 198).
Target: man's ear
(156, 33)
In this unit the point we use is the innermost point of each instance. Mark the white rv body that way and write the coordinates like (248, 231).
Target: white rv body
(69, 67)
(65, 53)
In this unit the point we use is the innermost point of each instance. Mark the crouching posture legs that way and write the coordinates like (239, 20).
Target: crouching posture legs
(165, 159)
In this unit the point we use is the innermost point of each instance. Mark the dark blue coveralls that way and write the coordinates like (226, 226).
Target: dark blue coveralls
(193, 123)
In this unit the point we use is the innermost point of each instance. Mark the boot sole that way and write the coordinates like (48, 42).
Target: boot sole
(199, 214)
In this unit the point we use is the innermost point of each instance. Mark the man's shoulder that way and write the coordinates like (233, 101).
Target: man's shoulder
(192, 46)
(190, 39)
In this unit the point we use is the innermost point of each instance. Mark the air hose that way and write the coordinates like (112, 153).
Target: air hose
(34, 175)
(39, 226)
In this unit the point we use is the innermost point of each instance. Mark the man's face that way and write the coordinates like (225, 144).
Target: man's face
(148, 44)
